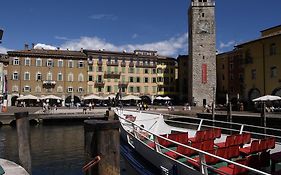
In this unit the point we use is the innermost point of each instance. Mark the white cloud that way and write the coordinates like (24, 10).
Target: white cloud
(169, 47)
(4, 50)
(104, 17)
(44, 46)
(227, 45)
(61, 38)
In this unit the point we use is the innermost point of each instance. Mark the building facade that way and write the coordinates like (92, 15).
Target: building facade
(72, 75)
(47, 72)
(252, 69)
(202, 52)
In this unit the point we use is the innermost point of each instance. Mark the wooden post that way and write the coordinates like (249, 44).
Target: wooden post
(23, 131)
(102, 139)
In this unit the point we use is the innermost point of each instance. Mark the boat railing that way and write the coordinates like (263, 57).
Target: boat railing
(145, 139)
(229, 127)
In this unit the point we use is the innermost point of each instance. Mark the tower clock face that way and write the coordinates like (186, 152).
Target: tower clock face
(204, 27)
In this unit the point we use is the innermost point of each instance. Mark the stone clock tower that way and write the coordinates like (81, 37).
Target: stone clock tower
(202, 52)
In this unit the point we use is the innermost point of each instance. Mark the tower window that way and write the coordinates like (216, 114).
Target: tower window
(203, 15)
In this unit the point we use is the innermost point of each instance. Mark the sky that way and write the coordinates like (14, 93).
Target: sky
(117, 25)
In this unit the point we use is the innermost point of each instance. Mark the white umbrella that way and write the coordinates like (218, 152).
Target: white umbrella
(131, 97)
(166, 98)
(159, 98)
(92, 96)
(51, 97)
(109, 96)
(267, 98)
(28, 97)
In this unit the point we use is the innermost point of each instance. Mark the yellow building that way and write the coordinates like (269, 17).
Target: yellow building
(252, 69)
(47, 72)
(262, 64)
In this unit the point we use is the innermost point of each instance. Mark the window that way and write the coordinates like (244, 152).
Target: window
(131, 89)
(231, 76)
(27, 61)
(37, 89)
(99, 69)
(15, 88)
(80, 64)
(138, 79)
(70, 89)
(60, 77)
(49, 76)
(254, 74)
(90, 68)
(99, 78)
(154, 71)
(70, 63)
(59, 89)
(272, 50)
(131, 70)
(273, 72)
(16, 61)
(154, 80)
(90, 78)
(38, 76)
(146, 89)
(60, 63)
(15, 76)
(146, 71)
(70, 77)
(131, 79)
(26, 89)
(138, 89)
(38, 62)
(145, 79)
(223, 77)
(80, 89)
(108, 88)
(80, 77)
(49, 63)
(26, 76)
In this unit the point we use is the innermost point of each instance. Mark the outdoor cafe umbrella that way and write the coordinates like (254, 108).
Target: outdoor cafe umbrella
(159, 98)
(264, 99)
(267, 98)
(166, 98)
(51, 97)
(92, 96)
(28, 97)
(131, 97)
(112, 96)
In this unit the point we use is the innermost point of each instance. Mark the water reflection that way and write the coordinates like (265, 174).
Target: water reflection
(54, 149)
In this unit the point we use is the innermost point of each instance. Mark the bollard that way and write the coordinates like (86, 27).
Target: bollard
(23, 131)
(102, 142)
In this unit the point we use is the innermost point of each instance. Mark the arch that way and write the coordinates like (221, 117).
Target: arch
(14, 100)
(277, 92)
(254, 93)
(146, 99)
(76, 100)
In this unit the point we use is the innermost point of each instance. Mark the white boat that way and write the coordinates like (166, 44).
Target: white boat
(181, 150)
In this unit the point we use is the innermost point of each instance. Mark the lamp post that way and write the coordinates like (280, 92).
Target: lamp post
(1, 34)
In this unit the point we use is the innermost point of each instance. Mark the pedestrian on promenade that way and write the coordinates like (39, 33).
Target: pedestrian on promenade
(84, 110)
(90, 106)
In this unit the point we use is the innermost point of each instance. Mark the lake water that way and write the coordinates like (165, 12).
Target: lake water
(55, 149)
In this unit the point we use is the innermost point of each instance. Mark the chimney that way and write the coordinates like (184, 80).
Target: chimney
(25, 46)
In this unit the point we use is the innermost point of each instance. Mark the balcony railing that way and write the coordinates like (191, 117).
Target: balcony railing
(99, 84)
(131, 64)
(123, 84)
(112, 74)
(123, 64)
(90, 62)
(146, 65)
(111, 63)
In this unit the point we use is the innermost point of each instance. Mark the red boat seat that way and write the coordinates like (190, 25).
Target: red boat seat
(209, 134)
(208, 159)
(184, 150)
(234, 169)
(230, 140)
(199, 136)
(217, 132)
(208, 145)
(270, 142)
(253, 148)
(233, 151)
(246, 138)
(238, 139)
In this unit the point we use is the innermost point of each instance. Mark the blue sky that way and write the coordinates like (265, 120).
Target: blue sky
(126, 24)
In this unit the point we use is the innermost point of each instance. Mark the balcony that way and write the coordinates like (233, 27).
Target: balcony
(48, 84)
(112, 74)
(90, 62)
(99, 84)
(123, 84)
(111, 63)
(123, 64)
(131, 64)
(140, 65)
